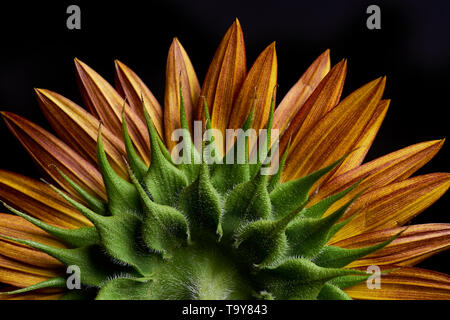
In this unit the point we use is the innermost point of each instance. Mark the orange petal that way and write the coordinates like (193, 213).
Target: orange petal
(336, 133)
(324, 97)
(393, 205)
(260, 81)
(82, 136)
(105, 103)
(395, 166)
(34, 295)
(179, 71)
(48, 151)
(224, 79)
(415, 244)
(19, 228)
(365, 141)
(39, 200)
(22, 275)
(294, 100)
(405, 284)
(135, 90)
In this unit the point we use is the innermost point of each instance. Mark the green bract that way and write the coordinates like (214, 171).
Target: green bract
(203, 231)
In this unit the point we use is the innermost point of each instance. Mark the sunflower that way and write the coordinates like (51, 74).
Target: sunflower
(139, 226)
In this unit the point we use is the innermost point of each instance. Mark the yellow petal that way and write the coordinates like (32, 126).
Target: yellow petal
(179, 71)
(224, 79)
(16, 227)
(294, 100)
(393, 205)
(336, 133)
(39, 200)
(395, 166)
(48, 151)
(365, 140)
(106, 104)
(135, 90)
(405, 284)
(260, 82)
(22, 275)
(415, 244)
(82, 136)
(324, 97)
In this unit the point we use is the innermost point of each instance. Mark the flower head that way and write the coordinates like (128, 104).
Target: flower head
(140, 225)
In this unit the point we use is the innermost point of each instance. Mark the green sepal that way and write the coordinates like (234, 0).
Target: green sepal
(122, 196)
(275, 180)
(213, 153)
(94, 266)
(338, 226)
(349, 280)
(164, 228)
(57, 282)
(317, 210)
(118, 235)
(307, 236)
(299, 279)
(189, 169)
(331, 292)
(255, 167)
(336, 257)
(96, 204)
(73, 237)
(200, 203)
(288, 196)
(228, 175)
(249, 201)
(137, 165)
(264, 242)
(261, 243)
(163, 180)
(125, 289)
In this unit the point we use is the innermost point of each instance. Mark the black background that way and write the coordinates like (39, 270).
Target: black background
(412, 49)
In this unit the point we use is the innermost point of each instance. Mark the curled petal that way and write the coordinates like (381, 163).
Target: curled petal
(393, 205)
(135, 90)
(224, 79)
(179, 72)
(415, 244)
(82, 136)
(48, 151)
(405, 284)
(105, 103)
(294, 100)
